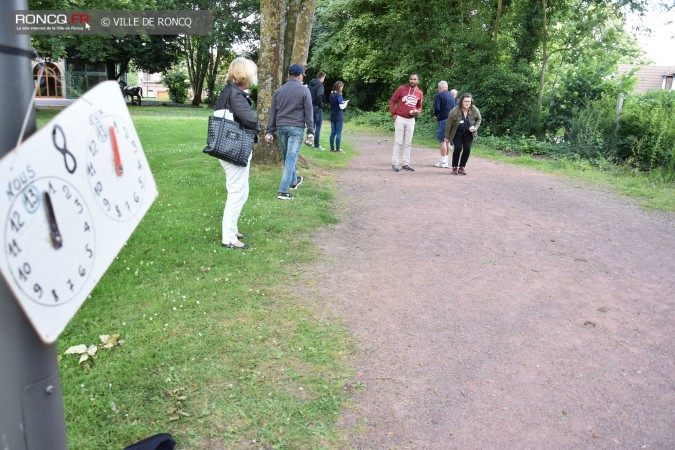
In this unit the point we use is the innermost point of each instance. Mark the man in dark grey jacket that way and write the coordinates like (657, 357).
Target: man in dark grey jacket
(316, 90)
(291, 110)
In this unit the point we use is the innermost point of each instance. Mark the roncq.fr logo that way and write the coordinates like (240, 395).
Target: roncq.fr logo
(51, 19)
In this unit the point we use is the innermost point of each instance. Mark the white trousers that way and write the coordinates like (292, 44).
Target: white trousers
(236, 183)
(403, 134)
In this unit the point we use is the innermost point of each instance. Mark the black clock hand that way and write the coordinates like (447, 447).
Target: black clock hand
(54, 232)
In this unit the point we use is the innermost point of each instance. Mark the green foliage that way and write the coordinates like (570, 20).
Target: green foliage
(525, 145)
(377, 120)
(643, 139)
(503, 93)
(178, 83)
(373, 44)
(646, 132)
(148, 53)
(590, 132)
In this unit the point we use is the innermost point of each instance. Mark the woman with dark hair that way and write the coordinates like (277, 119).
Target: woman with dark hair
(460, 130)
(233, 103)
(337, 104)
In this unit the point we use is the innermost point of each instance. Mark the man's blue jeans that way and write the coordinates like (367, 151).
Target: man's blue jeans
(290, 141)
(318, 117)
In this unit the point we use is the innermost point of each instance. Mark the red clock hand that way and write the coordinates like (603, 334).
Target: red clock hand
(118, 160)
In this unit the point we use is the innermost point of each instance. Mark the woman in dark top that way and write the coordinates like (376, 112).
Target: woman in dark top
(234, 100)
(460, 130)
(337, 104)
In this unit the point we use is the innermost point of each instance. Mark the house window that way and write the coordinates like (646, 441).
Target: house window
(669, 83)
(48, 80)
(82, 77)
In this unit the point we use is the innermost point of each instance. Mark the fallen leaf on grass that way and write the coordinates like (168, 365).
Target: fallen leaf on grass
(76, 350)
(110, 341)
(107, 341)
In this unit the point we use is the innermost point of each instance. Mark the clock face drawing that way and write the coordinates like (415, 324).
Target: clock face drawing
(50, 243)
(73, 194)
(115, 168)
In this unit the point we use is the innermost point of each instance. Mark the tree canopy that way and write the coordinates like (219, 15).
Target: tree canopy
(519, 58)
(148, 53)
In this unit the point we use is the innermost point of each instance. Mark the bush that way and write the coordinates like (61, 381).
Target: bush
(646, 132)
(178, 83)
(379, 120)
(527, 145)
(591, 129)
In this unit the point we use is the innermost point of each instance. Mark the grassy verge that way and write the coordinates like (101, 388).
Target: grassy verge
(216, 350)
(652, 190)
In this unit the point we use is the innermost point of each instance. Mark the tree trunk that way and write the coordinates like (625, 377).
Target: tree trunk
(289, 35)
(498, 19)
(542, 75)
(270, 62)
(214, 66)
(303, 32)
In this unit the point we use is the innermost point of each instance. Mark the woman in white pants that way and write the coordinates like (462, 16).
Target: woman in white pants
(234, 100)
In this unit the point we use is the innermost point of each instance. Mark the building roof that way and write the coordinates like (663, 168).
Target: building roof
(649, 77)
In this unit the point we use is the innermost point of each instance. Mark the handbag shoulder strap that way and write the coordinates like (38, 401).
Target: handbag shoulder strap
(228, 94)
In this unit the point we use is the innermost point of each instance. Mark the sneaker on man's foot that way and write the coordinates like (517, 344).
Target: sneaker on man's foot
(461, 171)
(441, 164)
(408, 167)
(454, 171)
(298, 182)
(319, 148)
(284, 196)
(394, 167)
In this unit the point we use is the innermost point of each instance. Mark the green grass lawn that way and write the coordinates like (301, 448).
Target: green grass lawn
(217, 351)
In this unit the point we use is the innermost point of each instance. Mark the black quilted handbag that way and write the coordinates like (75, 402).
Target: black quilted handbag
(229, 141)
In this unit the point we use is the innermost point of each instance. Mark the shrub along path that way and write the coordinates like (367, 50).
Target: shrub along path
(503, 309)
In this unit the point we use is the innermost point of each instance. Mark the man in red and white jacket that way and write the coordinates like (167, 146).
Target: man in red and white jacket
(405, 105)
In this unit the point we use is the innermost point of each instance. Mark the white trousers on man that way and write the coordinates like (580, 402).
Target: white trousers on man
(403, 134)
(236, 183)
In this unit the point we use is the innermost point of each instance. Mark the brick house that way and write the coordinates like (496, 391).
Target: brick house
(650, 77)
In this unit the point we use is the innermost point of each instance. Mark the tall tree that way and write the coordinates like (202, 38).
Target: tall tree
(277, 36)
(234, 24)
(270, 70)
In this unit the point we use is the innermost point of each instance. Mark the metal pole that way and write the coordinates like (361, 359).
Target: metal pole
(31, 405)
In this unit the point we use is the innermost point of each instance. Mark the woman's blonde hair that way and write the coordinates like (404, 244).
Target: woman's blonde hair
(242, 72)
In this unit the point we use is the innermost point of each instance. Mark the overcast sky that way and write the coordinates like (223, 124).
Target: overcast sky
(660, 45)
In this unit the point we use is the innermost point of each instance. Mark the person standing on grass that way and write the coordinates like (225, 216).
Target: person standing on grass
(291, 110)
(337, 119)
(404, 106)
(316, 89)
(443, 104)
(233, 99)
(461, 129)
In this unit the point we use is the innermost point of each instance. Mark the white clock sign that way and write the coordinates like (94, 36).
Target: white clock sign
(72, 196)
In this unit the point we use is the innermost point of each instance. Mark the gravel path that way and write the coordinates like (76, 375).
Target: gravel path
(503, 309)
